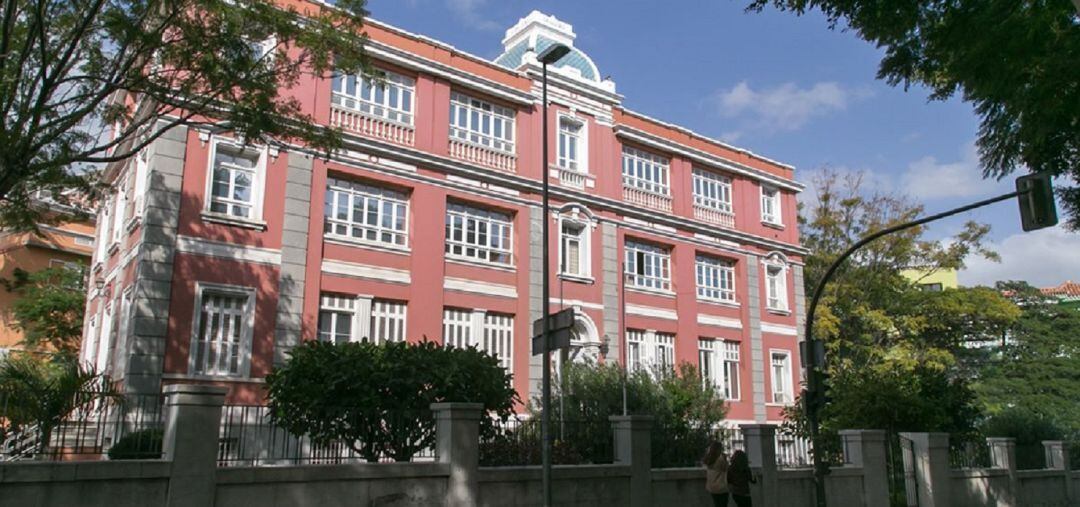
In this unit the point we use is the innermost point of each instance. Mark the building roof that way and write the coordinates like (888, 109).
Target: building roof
(533, 34)
(575, 59)
(1069, 289)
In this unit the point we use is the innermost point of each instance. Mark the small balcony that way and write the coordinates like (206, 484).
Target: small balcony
(371, 126)
(645, 198)
(481, 155)
(715, 216)
(572, 179)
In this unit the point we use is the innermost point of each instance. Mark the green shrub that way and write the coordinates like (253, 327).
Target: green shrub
(1029, 429)
(142, 444)
(376, 398)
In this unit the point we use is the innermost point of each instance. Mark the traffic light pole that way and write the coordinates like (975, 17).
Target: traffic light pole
(814, 388)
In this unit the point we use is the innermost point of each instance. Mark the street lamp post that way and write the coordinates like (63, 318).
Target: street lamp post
(549, 55)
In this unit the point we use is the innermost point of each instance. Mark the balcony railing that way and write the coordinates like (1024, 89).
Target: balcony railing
(647, 199)
(480, 155)
(572, 179)
(712, 215)
(352, 121)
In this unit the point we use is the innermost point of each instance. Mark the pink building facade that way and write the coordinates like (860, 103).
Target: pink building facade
(215, 257)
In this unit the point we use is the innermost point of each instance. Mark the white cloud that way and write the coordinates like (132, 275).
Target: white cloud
(466, 11)
(927, 179)
(784, 107)
(1042, 258)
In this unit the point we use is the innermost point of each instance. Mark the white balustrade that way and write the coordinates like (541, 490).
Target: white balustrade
(482, 156)
(352, 121)
(647, 199)
(712, 215)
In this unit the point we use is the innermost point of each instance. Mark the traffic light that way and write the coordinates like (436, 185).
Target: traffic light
(1037, 208)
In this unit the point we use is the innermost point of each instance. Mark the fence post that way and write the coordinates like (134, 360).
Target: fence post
(1057, 458)
(930, 459)
(457, 443)
(633, 447)
(866, 449)
(1003, 456)
(192, 422)
(760, 442)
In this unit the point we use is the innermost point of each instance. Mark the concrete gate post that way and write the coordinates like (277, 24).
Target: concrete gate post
(866, 449)
(760, 442)
(633, 447)
(192, 423)
(457, 443)
(930, 458)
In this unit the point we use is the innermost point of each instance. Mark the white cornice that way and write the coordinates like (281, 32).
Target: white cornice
(479, 287)
(779, 329)
(708, 159)
(209, 248)
(714, 320)
(651, 311)
(356, 270)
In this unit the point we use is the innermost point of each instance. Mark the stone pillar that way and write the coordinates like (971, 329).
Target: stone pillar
(760, 442)
(192, 422)
(1057, 458)
(633, 447)
(866, 449)
(1003, 456)
(929, 460)
(457, 443)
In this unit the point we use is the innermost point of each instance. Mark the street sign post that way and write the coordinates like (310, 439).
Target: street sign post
(559, 330)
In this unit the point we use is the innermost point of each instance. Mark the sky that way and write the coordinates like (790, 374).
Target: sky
(785, 87)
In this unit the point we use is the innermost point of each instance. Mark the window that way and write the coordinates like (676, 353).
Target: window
(712, 190)
(781, 377)
(358, 211)
(931, 287)
(135, 187)
(478, 122)
(573, 248)
(776, 287)
(223, 327)
(648, 266)
(770, 205)
(479, 234)
(715, 279)
(103, 231)
(389, 98)
(348, 319)
(84, 241)
(118, 214)
(571, 153)
(236, 181)
(719, 364)
(336, 316)
(645, 171)
(650, 351)
(487, 331)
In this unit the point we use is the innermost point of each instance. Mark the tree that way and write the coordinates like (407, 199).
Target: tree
(1038, 369)
(1015, 61)
(891, 349)
(49, 308)
(86, 82)
(375, 399)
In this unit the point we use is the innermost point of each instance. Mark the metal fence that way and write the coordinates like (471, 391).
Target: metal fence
(249, 437)
(683, 443)
(966, 454)
(517, 442)
(86, 427)
(796, 451)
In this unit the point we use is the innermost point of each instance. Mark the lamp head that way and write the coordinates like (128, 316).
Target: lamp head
(553, 53)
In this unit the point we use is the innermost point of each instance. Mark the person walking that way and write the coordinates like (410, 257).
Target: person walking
(716, 470)
(739, 478)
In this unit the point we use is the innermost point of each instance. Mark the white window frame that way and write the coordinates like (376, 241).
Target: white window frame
(202, 289)
(712, 190)
(470, 117)
(339, 189)
(785, 382)
(584, 247)
(391, 98)
(389, 319)
(491, 332)
(649, 350)
(655, 257)
(770, 205)
(336, 307)
(645, 171)
(258, 181)
(119, 203)
(375, 319)
(580, 162)
(104, 221)
(715, 277)
(718, 364)
(776, 298)
(497, 245)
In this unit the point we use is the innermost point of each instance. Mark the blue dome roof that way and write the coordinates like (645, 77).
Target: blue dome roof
(574, 59)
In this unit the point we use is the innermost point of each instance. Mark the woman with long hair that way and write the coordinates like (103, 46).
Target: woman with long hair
(716, 469)
(739, 478)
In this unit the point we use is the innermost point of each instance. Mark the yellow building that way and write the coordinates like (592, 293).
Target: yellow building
(936, 280)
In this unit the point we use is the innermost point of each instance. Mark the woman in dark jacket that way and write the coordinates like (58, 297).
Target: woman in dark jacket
(739, 479)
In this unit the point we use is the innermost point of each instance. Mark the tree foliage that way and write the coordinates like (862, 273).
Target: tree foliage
(1038, 368)
(1015, 61)
(49, 307)
(376, 398)
(891, 348)
(93, 81)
